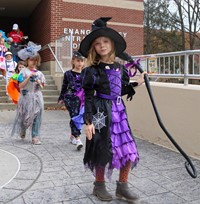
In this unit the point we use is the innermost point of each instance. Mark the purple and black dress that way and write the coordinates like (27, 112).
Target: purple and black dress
(113, 143)
(73, 96)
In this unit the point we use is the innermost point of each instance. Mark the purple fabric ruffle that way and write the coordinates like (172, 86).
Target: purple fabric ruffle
(123, 145)
(78, 119)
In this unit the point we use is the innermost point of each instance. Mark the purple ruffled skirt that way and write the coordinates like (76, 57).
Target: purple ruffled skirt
(123, 144)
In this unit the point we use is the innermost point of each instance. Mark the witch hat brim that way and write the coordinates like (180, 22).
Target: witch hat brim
(119, 42)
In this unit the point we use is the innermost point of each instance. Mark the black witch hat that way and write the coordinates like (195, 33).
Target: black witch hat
(100, 29)
(77, 54)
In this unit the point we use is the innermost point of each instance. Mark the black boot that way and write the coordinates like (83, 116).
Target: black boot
(101, 192)
(123, 191)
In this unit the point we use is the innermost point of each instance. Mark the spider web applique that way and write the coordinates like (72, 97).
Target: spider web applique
(99, 120)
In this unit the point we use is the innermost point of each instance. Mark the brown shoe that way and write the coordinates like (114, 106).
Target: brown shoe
(123, 191)
(101, 192)
(23, 135)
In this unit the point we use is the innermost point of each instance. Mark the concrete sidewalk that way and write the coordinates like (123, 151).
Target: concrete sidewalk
(53, 173)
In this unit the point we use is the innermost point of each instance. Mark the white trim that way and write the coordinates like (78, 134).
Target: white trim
(19, 165)
(123, 4)
(109, 23)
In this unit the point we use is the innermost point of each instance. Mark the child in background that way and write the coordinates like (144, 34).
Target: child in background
(3, 50)
(8, 43)
(13, 85)
(2, 34)
(110, 143)
(72, 95)
(10, 66)
(31, 104)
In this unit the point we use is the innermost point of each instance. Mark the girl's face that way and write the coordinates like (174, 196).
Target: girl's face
(103, 46)
(8, 57)
(2, 41)
(32, 62)
(20, 67)
(78, 63)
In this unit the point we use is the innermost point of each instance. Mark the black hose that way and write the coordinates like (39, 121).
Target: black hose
(188, 164)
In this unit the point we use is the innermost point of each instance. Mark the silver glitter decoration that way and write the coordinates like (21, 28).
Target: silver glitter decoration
(99, 120)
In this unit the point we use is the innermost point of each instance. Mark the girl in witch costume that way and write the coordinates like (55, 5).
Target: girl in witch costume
(72, 95)
(109, 143)
(31, 104)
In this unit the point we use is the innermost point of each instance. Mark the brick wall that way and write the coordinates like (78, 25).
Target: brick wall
(40, 26)
(90, 12)
(84, 11)
(46, 22)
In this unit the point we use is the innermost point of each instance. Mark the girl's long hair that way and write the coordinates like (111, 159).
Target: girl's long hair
(20, 63)
(94, 59)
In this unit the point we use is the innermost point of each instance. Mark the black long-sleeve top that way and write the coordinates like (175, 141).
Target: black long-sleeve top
(95, 79)
(71, 84)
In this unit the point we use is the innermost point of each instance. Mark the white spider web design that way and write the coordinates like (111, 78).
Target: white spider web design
(99, 120)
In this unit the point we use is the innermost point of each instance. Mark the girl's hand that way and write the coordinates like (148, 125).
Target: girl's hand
(89, 131)
(140, 80)
(40, 83)
(31, 74)
(60, 102)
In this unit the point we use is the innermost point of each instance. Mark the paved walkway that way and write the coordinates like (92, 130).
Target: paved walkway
(53, 172)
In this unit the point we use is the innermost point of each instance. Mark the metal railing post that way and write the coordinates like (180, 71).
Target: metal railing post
(71, 44)
(186, 64)
(56, 59)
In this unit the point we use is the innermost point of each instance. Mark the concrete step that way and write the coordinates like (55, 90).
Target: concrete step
(50, 87)
(50, 92)
(2, 93)
(6, 99)
(44, 91)
(48, 81)
(46, 87)
(46, 72)
(11, 106)
(48, 77)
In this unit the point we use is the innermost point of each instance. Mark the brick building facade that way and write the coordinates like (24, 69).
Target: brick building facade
(52, 18)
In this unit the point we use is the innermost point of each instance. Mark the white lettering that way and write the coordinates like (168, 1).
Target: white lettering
(68, 38)
(82, 32)
(65, 30)
(87, 32)
(73, 38)
(75, 46)
(79, 35)
(124, 35)
(78, 39)
(71, 30)
(76, 32)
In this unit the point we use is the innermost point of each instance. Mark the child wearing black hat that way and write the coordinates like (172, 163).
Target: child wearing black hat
(72, 95)
(110, 143)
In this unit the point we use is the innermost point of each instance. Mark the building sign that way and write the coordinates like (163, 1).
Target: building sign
(79, 34)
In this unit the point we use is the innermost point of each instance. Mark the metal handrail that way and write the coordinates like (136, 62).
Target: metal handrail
(57, 61)
(171, 62)
(48, 46)
(167, 54)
